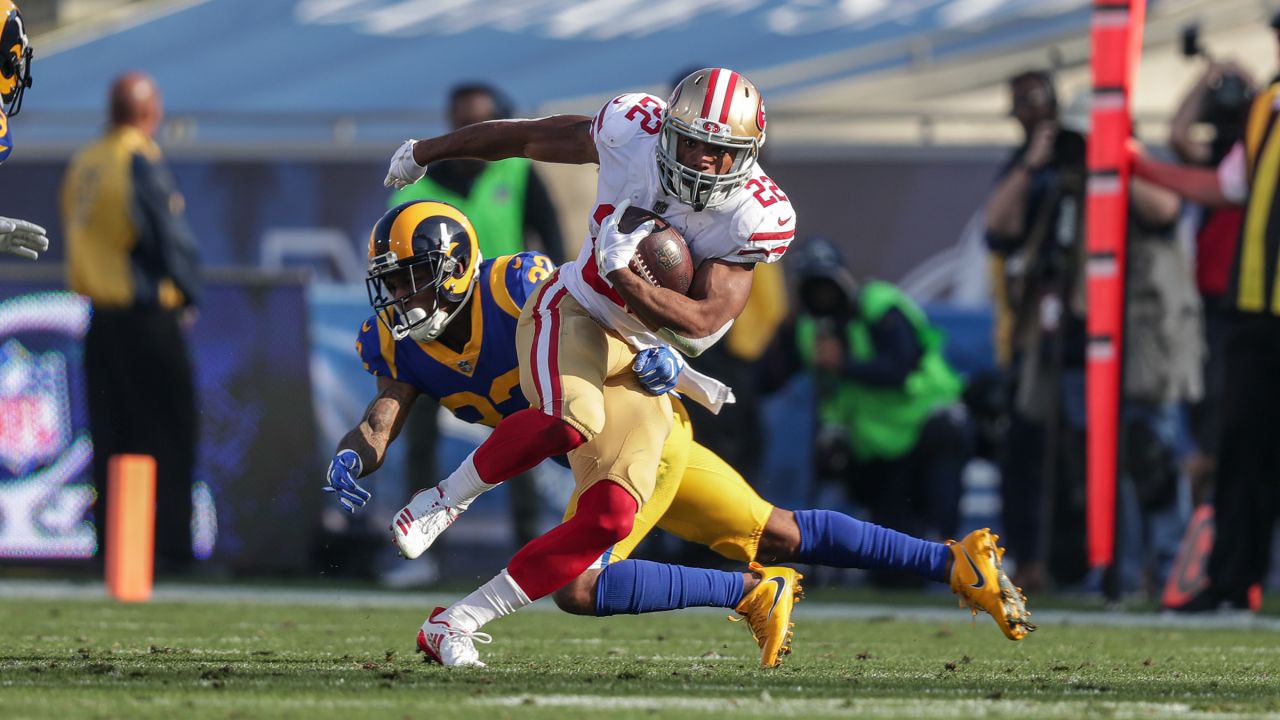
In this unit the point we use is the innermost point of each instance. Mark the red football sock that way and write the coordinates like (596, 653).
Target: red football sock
(605, 515)
(521, 441)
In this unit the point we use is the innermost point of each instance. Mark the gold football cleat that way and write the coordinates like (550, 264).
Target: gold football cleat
(976, 576)
(767, 610)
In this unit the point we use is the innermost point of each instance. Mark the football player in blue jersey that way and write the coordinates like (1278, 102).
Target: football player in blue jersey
(17, 237)
(445, 326)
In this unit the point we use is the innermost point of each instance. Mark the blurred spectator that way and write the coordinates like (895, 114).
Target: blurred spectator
(892, 429)
(1246, 491)
(1042, 248)
(512, 211)
(1164, 351)
(130, 251)
(1033, 219)
(1220, 98)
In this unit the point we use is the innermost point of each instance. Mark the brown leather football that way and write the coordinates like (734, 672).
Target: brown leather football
(663, 257)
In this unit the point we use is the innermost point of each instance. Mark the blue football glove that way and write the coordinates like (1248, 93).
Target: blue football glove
(658, 369)
(343, 471)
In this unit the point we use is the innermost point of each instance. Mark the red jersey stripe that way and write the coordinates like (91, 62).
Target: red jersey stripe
(784, 235)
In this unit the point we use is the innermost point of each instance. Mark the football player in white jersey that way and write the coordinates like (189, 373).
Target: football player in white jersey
(691, 160)
(17, 237)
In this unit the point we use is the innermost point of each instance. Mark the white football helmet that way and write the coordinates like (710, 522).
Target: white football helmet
(719, 107)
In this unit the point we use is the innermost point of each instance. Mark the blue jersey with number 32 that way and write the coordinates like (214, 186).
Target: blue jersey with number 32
(481, 384)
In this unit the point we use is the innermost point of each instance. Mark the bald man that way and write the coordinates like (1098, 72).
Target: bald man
(130, 251)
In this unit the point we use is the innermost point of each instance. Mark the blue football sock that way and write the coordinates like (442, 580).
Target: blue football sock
(640, 586)
(837, 540)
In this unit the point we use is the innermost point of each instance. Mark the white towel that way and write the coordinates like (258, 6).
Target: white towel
(705, 390)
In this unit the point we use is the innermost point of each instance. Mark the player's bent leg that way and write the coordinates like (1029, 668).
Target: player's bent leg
(837, 540)
(579, 596)
(640, 586)
(605, 512)
(764, 597)
(780, 539)
(714, 506)
(564, 358)
(979, 579)
(517, 444)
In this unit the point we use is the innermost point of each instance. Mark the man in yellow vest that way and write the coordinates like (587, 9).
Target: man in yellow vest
(131, 252)
(1247, 493)
(511, 210)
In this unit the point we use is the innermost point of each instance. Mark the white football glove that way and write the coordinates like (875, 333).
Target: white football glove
(614, 248)
(404, 170)
(21, 238)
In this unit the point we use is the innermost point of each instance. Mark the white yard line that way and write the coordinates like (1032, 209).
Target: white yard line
(863, 707)
(281, 595)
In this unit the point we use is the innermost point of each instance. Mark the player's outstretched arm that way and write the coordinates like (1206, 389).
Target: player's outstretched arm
(558, 139)
(381, 423)
(717, 296)
(362, 450)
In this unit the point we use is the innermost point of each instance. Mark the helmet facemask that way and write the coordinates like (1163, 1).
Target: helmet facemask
(694, 187)
(430, 271)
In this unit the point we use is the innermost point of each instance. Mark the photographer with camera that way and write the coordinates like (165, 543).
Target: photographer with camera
(1039, 245)
(1219, 99)
(1032, 215)
(1246, 493)
(893, 431)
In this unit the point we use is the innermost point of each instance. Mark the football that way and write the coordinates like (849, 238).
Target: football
(663, 257)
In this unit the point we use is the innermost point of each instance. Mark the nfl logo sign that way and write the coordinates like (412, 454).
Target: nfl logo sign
(35, 418)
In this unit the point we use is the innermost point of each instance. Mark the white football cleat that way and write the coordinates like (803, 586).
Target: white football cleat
(419, 523)
(448, 646)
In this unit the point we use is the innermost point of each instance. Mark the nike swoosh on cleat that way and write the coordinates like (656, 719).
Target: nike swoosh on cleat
(777, 594)
(982, 581)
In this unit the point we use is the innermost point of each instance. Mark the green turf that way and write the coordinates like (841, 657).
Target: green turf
(95, 659)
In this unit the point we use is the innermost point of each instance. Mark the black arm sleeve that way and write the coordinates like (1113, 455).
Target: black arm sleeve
(166, 246)
(897, 353)
(541, 218)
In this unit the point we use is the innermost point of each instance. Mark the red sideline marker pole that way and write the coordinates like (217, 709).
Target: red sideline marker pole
(131, 526)
(1116, 33)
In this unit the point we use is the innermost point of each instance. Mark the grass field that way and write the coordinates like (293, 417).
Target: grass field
(86, 658)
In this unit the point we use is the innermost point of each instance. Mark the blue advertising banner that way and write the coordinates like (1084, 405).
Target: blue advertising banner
(255, 485)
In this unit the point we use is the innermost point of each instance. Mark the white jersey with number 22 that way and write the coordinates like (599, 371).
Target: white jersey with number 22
(756, 223)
